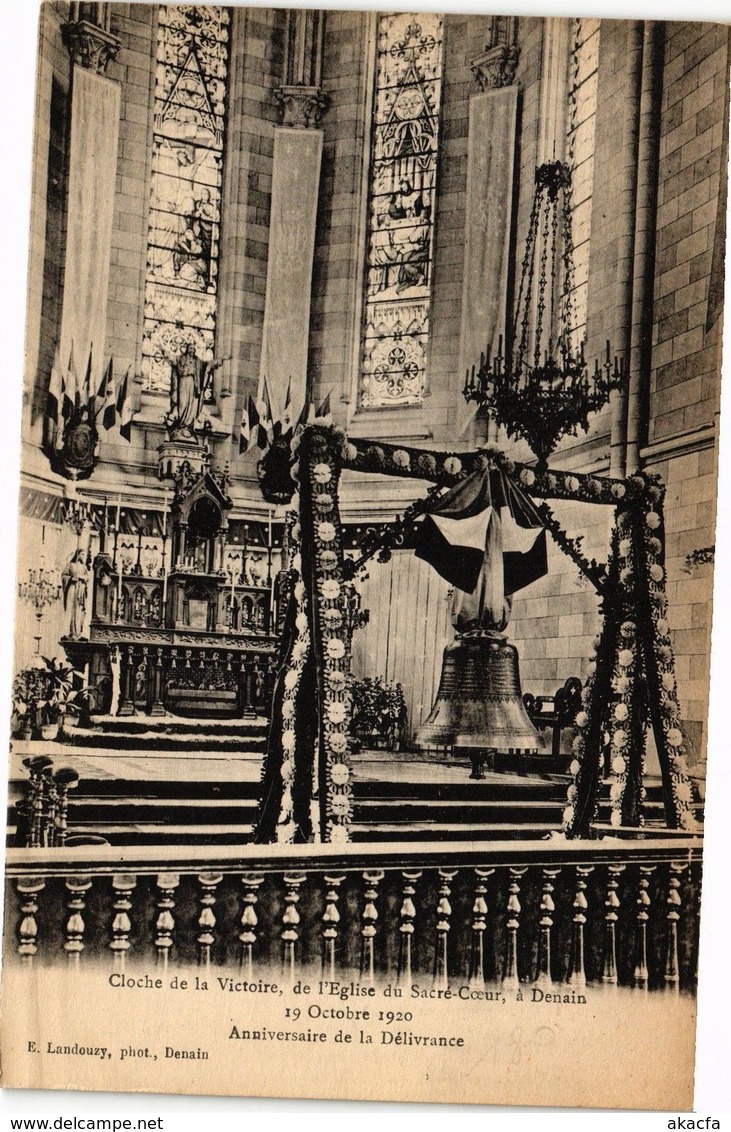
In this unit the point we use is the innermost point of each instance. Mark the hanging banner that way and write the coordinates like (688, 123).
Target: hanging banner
(490, 161)
(92, 174)
(295, 186)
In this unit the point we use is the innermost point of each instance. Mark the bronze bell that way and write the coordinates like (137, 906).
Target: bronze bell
(479, 703)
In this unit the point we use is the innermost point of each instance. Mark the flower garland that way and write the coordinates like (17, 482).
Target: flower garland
(625, 731)
(286, 826)
(578, 747)
(668, 735)
(447, 468)
(331, 634)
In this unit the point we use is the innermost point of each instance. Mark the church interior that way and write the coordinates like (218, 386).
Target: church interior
(368, 481)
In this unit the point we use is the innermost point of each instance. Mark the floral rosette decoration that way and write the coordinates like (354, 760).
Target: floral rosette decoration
(333, 646)
(673, 740)
(621, 726)
(286, 826)
(578, 748)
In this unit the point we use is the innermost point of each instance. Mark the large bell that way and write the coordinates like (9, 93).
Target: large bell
(479, 703)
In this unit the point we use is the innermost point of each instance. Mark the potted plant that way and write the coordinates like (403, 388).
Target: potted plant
(379, 713)
(42, 695)
(28, 690)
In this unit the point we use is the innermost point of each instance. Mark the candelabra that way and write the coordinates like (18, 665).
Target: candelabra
(40, 590)
(539, 388)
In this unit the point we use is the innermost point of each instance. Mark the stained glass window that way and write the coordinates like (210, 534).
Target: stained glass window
(401, 209)
(185, 189)
(581, 131)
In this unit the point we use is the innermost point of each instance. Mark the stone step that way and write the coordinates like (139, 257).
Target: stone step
(172, 724)
(182, 742)
(451, 831)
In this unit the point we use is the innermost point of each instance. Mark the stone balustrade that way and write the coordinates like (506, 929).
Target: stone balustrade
(548, 914)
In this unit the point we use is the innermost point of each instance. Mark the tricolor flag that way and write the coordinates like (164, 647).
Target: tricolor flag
(453, 537)
(323, 413)
(54, 403)
(71, 395)
(287, 421)
(107, 396)
(249, 423)
(124, 409)
(84, 396)
(265, 430)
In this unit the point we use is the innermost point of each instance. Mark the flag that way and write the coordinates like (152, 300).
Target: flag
(265, 431)
(70, 388)
(453, 537)
(287, 421)
(124, 409)
(84, 394)
(246, 424)
(54, 403)
(323, 413)
(107, 395)
(305, 416)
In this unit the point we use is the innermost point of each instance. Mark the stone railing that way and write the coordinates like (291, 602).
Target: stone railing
(543, 913)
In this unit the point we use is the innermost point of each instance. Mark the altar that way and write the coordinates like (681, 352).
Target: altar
(185, 623)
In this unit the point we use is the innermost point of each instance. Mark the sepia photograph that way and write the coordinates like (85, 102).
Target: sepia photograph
(366, 539)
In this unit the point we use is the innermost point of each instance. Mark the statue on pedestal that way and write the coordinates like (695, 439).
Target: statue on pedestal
(74, 581)
(190, 378)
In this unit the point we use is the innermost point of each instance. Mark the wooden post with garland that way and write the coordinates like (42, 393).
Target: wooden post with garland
(634, 667)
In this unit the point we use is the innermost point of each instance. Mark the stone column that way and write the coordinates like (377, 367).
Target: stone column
(295, 190)
(92, 163)
(493, 116)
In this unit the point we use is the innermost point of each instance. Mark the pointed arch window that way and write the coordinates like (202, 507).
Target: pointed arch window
(402, 197)
(185, 187)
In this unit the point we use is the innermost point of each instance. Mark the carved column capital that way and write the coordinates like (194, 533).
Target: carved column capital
(302, 106)
(496, 67)
(89, 45)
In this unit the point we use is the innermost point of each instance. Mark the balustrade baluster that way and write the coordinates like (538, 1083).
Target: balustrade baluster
(290, 923)
(50, 816)
(441, 946)
(674, 904)
(77, 888)
(479, 927)
(641, 973)
(126, 706)
(330, 921)
(577, 963)
(209, 882)
(511, 974)
(165, 922)
(123, 885)
(66, 779)
(158, 707)
(369, 919)
(547, 906)
(29, 890)
(38, 768)
(611, 903)
(407, 927)
(252, 882)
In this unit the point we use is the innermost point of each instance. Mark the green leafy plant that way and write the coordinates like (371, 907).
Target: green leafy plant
(379, 712)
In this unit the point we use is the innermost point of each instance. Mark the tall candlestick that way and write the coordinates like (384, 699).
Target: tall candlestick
(233, 592)
(164, 553)
(118, 564)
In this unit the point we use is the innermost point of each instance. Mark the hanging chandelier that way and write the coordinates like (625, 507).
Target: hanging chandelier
(539, 387)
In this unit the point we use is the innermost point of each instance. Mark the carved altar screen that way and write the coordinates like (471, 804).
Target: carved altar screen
(401, 209)
(185, 187)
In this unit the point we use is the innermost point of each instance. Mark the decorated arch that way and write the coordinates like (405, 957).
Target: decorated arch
(307, 794)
